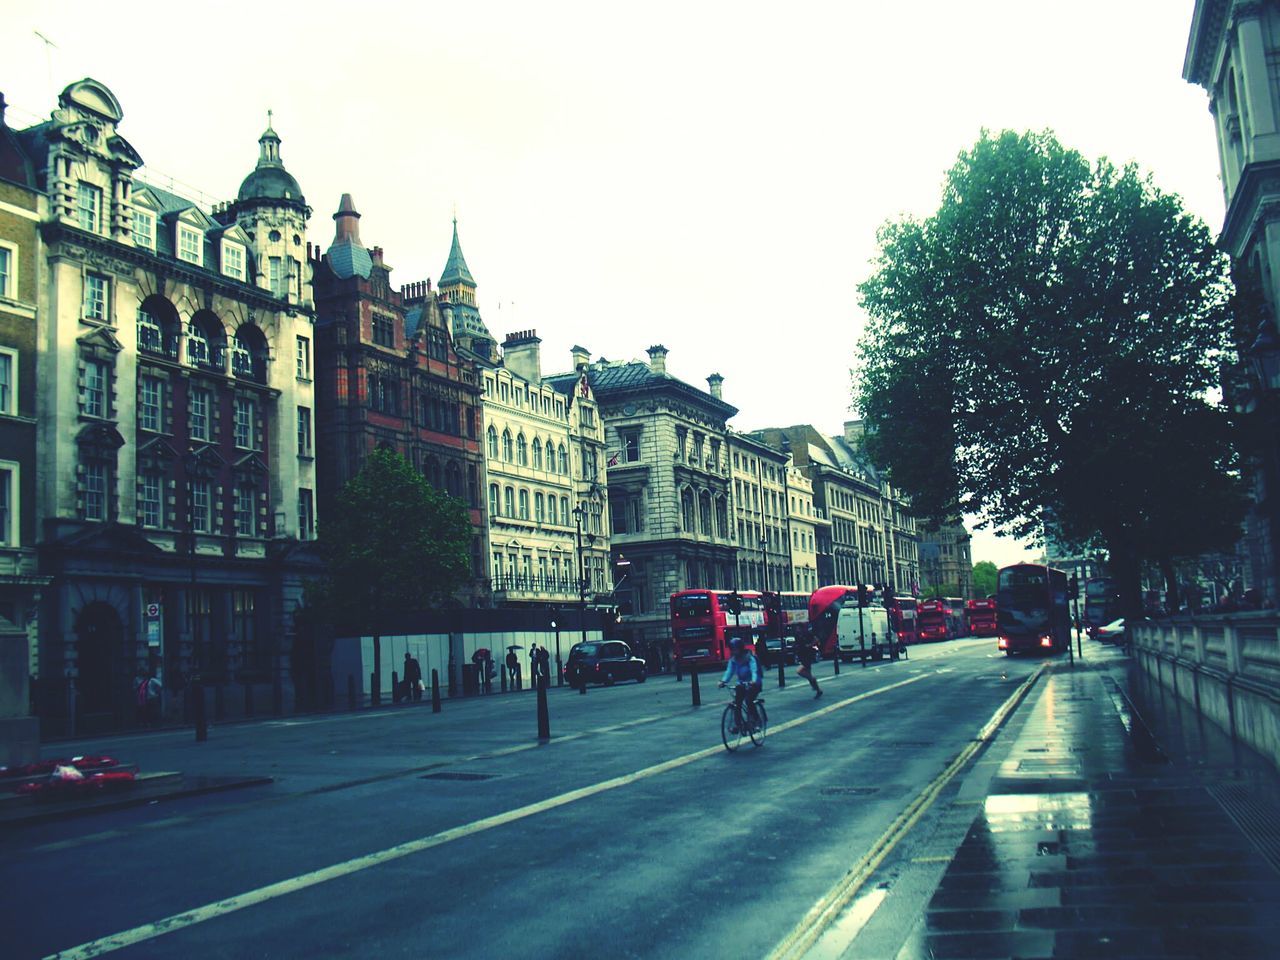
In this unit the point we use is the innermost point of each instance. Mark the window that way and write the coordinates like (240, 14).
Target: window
(563, 456)
(588, 416)
(306, 516)
(8, 382)
(492, 437)
(245, 415)
(384, 331)
(295, 274)
(201, 506)
(302, 361)
(149, 500)
(8, 504)
(539, 507)
(537, 453)
(89, 207)
(190, 241)
(95, 491)
(245, 527)
(233, 259)
(198, 415)
(493, 500)
(509, 502)
(524, 504)
(551, 510)
(504, 392)
(96, 291)
(564, 510)
(275, 276)
(151, 404)
(506, 445)
(304, 432)
(630, 445)
(95, 389)
(7, 287)
(522, 451)
(144, 229)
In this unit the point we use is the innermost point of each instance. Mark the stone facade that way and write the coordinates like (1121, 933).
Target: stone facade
(669, 486)
(805, 520)
(946, 561)
(547, 496)
(171, 488)
(1234, 54)
(760, 514)
(21, 209)
(388, 374)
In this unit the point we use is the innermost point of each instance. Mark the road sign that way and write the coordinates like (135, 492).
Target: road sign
(153, 610)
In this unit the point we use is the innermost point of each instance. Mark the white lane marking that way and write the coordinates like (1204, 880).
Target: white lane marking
(210, 911)
(77, 841)
(836, 940)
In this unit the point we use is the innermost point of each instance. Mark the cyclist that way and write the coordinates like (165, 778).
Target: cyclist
(743, 666)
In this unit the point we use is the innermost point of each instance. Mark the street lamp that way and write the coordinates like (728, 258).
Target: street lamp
(579, 514)
(559, 668)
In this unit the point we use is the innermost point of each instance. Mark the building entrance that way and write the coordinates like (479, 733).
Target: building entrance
(105, 676)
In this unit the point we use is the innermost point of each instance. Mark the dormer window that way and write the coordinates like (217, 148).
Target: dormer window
(144, 229)
(89, 207)
(232, 259)
(190, 241)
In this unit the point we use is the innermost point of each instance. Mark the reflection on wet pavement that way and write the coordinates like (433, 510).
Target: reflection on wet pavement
(1102, 837)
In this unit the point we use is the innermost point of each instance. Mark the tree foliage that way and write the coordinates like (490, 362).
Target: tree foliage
(1041, 352)
(394, 544)
(984, 578)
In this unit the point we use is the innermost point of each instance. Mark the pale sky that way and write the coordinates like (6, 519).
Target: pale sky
(709, 176)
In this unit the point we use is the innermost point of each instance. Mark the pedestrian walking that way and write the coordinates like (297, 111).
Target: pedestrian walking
(147, 696)
(807, 654)
(412, 677)
(513, 666)
(544, 666)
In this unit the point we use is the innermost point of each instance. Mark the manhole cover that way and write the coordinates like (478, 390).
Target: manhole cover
(848, 791)
(450, 775)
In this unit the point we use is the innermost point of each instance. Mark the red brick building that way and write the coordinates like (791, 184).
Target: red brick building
(387, 374)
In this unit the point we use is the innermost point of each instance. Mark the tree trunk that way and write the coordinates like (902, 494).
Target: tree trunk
(1172, 593)
(1126, 571)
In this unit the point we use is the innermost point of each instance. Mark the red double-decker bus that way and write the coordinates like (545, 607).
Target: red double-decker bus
(983, 619)
(825, 605)
(701, 625)
(902, 618)
(933, 621)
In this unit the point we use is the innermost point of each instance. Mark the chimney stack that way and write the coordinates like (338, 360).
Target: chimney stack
(521, 355)
(715, 382)
(581, 358)
(658, 360)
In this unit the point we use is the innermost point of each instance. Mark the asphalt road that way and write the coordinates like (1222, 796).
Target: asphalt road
(631, 834)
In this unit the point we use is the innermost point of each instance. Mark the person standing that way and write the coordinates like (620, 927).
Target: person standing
(412, 676)
(513, 666)
(147, 695)
(544, 666)
(807, 654)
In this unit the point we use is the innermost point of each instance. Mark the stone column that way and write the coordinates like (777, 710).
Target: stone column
(1255, 85)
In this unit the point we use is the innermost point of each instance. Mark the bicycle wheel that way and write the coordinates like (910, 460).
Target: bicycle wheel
(727, 724)
(760, 729)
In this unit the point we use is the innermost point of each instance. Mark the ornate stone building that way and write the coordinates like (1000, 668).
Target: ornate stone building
(946, 561)
(804, 521)
(760, 511)
(21, 208)
(669, 485)
(388, 374)
(1234, 53)
(172, 483)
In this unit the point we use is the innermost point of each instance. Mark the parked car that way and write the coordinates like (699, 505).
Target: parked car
(602, 661)
(1112, 632)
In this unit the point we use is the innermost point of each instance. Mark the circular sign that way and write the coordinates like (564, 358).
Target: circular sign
(153, 609)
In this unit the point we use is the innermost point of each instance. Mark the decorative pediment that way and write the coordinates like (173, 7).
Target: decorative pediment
(205, 462)
(251, 464)
(101, 439)
(193, 216)
(92, 97)
(143, 197)
(233, 232)
(101, 338)
(157, 451)
(122, 151)
(118, 539)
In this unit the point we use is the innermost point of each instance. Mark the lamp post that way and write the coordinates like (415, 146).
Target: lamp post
(559, 670)
(580, 512)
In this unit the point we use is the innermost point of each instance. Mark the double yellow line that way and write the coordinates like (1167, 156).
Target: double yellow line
(825, 912)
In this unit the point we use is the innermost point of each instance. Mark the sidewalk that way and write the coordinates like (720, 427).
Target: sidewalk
(1116, 826)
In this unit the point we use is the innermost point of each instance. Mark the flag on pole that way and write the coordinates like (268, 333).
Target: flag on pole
(613, 461)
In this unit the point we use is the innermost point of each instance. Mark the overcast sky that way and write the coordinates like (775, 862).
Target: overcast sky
(709, 176)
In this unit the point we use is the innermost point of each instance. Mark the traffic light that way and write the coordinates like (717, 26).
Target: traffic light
(733, 603)
(864, 595)
(773, 602)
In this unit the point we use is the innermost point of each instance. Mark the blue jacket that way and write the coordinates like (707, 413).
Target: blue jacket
(746, 671)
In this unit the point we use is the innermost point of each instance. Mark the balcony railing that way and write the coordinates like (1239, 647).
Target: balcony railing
(248, 367)
(534, 583)
(200, 354)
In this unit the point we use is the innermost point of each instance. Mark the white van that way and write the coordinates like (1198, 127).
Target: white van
(874, 628)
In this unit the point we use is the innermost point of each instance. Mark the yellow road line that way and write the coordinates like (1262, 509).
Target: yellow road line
(210, 911)
(825, 912)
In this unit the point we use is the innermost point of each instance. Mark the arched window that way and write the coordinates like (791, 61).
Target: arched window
(453, 480)
(506, 445)
(563, 456)
(509, 501)
(249, 354)
(722, 517)
(524, 504)
(492, 436)
(551, 510)
(206, 342)
(522, 451)
(539, 507)
(537, 454)
(493, 501)
(704, 511)
(686, 510)
(564, 510)
(158, 327)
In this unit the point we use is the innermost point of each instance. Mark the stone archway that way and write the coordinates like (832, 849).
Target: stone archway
(105, 674)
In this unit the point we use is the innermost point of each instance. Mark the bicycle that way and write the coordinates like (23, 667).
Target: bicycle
(734, 727)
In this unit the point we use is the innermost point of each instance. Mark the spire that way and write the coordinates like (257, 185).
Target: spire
(347, 255)
(347, 221)
(269, 145)
(455, 270)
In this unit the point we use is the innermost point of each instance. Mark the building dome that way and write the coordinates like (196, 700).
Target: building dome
(269, 179)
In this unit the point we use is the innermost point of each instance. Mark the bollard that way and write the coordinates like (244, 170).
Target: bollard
(435, 691)
(693, 685)
(453, 677)
(519, 678)
(835, 659)
(582, 680)
(782, 676)
(395, 687)
(679, 672)
(544, 718)
(351, 692)
(202, 724)
(503, 679)
(375, 690)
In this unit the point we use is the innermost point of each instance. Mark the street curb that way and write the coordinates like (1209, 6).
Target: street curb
(50, 815)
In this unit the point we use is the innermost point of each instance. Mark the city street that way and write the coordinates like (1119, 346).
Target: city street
(632, 833)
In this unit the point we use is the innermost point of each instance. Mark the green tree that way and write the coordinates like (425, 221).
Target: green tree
(394, 544)
(984, 578)
(1041, 351)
